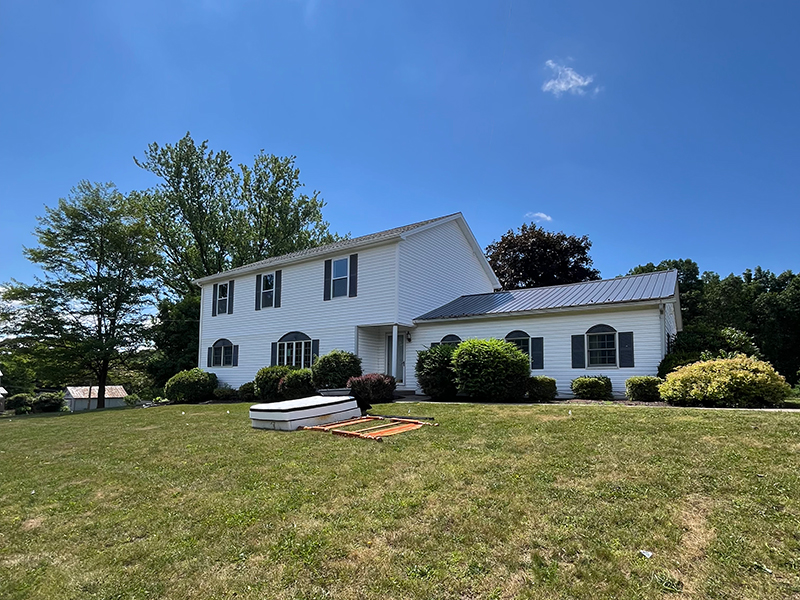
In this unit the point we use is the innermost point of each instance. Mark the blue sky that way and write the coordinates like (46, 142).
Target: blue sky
(660, 130)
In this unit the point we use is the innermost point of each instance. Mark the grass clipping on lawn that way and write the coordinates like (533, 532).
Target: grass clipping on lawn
(497, 502)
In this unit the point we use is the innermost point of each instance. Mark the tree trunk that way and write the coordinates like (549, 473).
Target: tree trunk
(101, 387)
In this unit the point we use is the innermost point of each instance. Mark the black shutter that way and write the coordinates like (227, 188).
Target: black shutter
(625, 349)
(537, 353)
(258, 292)
(314, 349)
(326, 295)
(353, 292)
(230, 297)
(211, 356)
(214, 301)
(274, 355)
(578, 352)
(236, 355)
(277, 292)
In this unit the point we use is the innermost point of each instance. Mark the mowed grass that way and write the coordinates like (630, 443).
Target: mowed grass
(496, 502)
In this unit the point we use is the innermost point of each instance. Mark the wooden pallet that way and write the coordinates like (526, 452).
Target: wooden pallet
(387, 426)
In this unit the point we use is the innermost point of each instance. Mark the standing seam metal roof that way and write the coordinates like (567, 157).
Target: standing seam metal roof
(632, 288)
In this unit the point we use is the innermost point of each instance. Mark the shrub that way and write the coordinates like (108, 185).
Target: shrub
(247, 392)
(675, 360)
(23, 410)
(297, 383)
(225, 393)
(335, 368)
(22, 401)
(372, 387)
(194, 385)
(132, 400)
(492, 369)
(435, 373)
(267, 380)
(542, 389)
(48, 402)
(592, 387)
(738, 382)
(643, 389)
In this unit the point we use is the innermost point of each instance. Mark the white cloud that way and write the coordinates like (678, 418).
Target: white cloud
(566, 80)
(538, 217)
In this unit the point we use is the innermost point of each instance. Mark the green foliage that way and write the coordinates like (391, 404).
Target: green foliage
(435, 373)
(689, 283)
(297, 383)
(542, 389)
(194, 385)
(132, 400)
(533, 257)
(592, 387)
(491, 369)
(335, 368)
(23, 401)
(267, 380)
(175, 333)
(48, 402)
(676, 359)
(643, 388)
(247, 392)
(372, 387)
(225, 393)
(739, 382)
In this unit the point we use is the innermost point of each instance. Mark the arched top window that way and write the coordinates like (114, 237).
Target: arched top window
(450, 340)
(601, 329)
(601, 343)
(295, 336)
(222, 343)
(521, 340)
(223, 354)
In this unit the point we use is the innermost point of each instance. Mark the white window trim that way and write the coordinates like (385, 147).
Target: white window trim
(616, 351)
(221, 364)
(221, 297)
(262, 291)
(283, 354)
(346, 277)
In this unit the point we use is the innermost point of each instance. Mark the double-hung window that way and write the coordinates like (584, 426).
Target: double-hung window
(340, 274)
(223, 354)
(267, 290)
(222, 298)
(602, 349)
(521, 340)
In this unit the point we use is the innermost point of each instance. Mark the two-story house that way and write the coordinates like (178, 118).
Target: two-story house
(387, 295)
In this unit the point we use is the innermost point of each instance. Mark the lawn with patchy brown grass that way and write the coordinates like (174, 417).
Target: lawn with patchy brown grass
(496, 502)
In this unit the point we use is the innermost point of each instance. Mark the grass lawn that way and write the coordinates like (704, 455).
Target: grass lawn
(496, 502)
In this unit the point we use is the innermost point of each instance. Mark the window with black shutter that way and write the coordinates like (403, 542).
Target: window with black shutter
(223, 354)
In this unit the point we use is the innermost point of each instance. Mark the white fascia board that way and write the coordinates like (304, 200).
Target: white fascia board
(676, 298)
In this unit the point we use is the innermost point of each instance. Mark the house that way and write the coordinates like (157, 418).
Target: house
(85, 397)
(387, 295)
(3, 394)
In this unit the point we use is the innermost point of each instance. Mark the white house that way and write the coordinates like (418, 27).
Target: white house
(84, 397)
(387, 295)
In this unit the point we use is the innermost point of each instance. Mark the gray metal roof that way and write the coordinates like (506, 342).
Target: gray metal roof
(632, 288)
(340, 246)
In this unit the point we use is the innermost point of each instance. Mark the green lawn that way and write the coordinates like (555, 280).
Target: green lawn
(496, 502)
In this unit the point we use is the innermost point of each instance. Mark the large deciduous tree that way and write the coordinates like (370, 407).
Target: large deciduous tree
(689, 283)
(534, 257)
(98, 265)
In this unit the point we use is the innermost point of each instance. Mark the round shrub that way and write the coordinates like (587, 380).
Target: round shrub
(267, 380)
(335, 368)
(194, 385)
(132, 400)
(643, 389)
(675, 360)
(435, 373)
(297, 383)
(247, 392)
(491, 369)
(226, 394)
(592, 387)
(542, 389)
(24, 402)
(48, 402)
(372, 387)
(738, 382)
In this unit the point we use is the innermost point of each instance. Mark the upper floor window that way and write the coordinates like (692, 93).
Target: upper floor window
(341, 277)
(268, 290)
(340, 273)
(601, 344)
(222, 298)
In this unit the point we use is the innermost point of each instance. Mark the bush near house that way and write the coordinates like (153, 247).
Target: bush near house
(592, 387)
(297, 383)
(335, 368)
(676, 360)
(542, 389)
(48, 402)
(435, 374)
(491, 369)
(247, 392)
(738, 382)
(194, 385)
(372, 387)
(226, 393)
(21, 404)
(643, 389)
(267, 380)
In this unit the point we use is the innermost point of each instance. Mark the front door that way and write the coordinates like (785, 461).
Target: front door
(401, 356)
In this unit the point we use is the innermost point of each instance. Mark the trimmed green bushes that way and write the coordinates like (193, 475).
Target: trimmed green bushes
(194, 385)
(542, 389)
(247, 392)
(676, 360)
(21, 404)
(226, 394)
(435, 373)
(492, 370)
(592, 387)
(267, 380)
(297, 383)
(738, 382)
(372, 387)
(335, 368)
(643, 389)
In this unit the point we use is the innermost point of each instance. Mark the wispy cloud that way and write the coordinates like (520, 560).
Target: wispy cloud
(538, 217)
(566, 80)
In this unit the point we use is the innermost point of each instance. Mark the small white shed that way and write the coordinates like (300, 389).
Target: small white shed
(84, 397)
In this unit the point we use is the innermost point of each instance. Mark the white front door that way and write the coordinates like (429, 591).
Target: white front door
(401, 356)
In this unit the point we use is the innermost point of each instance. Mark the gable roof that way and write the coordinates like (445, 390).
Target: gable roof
(353, 244)
(606, 292)
(82, 391)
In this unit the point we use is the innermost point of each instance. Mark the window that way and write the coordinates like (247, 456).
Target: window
(601, 346)
(222, 298)
(340, 272)
(521, 340)
(223, 354)
(267, 290)
(450, 340)
(295, 349)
